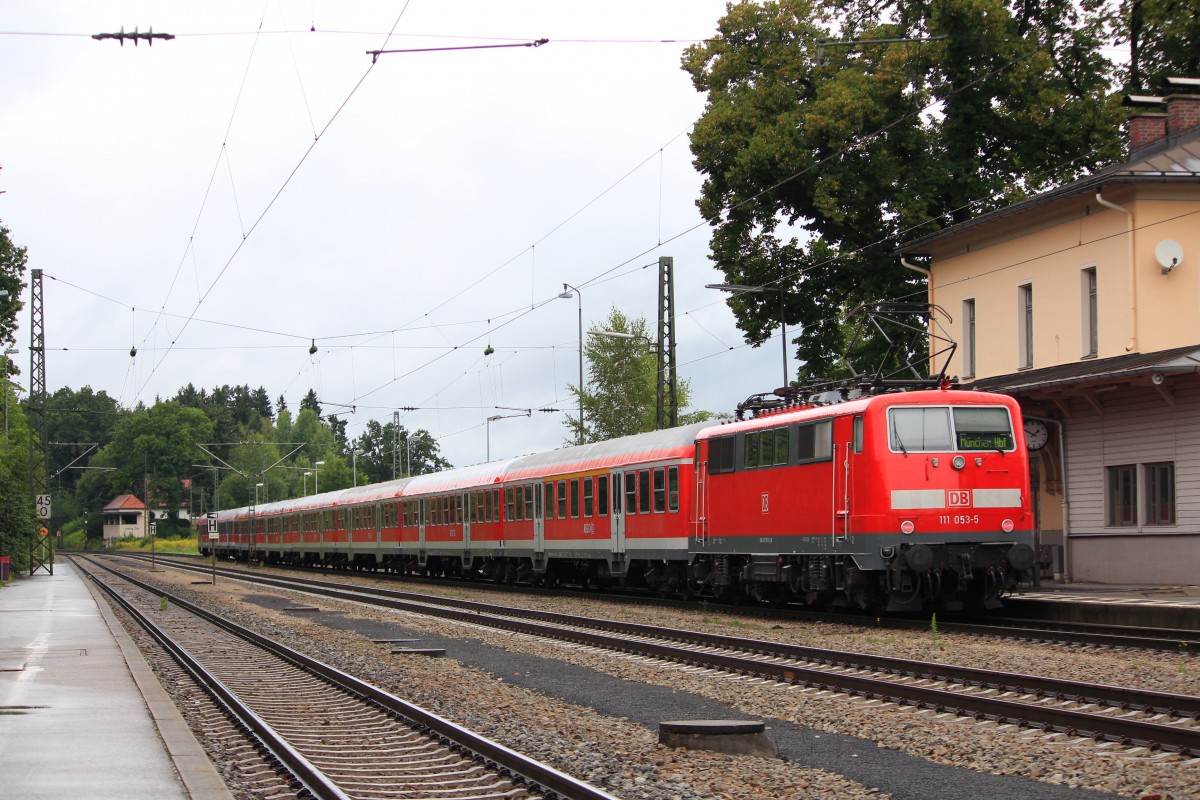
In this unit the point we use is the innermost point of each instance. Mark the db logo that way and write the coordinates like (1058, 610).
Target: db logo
(766, 505)
(958, 498)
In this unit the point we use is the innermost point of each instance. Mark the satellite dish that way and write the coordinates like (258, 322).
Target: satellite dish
(1168, 253)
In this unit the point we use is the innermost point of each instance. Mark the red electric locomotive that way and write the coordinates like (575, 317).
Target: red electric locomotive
(899, 501)
(902, 501)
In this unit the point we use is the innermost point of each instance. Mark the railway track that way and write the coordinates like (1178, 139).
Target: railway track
(329, 735)
(1124, 637)
(1156, 720)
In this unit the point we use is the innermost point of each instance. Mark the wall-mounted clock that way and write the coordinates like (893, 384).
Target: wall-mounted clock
(1036, 434)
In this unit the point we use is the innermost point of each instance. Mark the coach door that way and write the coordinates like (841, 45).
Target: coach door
(848, 439)
(617, 517)
(539, 527)
(422, 518)
(468, 507)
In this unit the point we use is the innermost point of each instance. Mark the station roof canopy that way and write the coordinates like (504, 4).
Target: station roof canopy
(1081, 376)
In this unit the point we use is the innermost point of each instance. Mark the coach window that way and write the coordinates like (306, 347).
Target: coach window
(588, 498)
(673, 489)
(602, 495)
(721, 454)
(660, 490)
(813, 442)
(562, 499)
(550, 504)
(750, 457)
(496, 507)
(529, 501)
(631, 492)
(766, 447)
(458, 508)
(510, 512)
(783, 446)
(574, 498)
(644, 491)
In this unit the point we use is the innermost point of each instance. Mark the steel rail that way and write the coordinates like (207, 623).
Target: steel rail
(544, 778)
(1182, 641)
(1121, 697)
(1123, 730)
(304, 771)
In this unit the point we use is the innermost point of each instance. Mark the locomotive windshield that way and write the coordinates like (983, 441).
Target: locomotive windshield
(941, 428)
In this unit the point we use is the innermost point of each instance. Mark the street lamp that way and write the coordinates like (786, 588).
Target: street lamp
(9, 352)
(317, 476)
(306, 483)
(739, 288)
(490, 420)
(566, 295)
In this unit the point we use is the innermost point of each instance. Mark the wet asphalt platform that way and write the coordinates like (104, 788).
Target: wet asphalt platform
(81, 713)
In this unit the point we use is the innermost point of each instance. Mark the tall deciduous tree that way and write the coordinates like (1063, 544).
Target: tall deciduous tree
(153, 451)
(835, 130)
(12, 280)
(17, 520)
(621, 393)
(1164, 41)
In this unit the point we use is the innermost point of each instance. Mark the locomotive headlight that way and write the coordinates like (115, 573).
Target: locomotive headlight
(907, 527)
(1007, 526)
(959, 462)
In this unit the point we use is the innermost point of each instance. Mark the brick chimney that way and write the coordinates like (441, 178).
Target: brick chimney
(1147, 121)
(1183, 104)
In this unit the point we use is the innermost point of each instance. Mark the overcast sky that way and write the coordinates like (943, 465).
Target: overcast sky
(223, 199)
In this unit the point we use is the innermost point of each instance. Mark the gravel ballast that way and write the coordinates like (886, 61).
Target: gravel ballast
(596, 714)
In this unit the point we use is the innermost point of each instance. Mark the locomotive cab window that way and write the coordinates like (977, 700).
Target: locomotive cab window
(977, 428)
(939, 429)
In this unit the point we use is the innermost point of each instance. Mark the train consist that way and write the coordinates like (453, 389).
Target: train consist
(899, 501)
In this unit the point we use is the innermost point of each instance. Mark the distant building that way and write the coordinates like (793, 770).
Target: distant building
(124, 516)
(1084, 304)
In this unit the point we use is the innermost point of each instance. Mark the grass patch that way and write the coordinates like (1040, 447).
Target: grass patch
(168, 546)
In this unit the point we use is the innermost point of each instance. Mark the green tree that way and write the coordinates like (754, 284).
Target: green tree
(822, 150)
(12, 280)
(310, 402)
(1164, 41)
(153, 451)
(422, 453)
(384, 448)
(621, 396)
(75, 420)
(17, 520)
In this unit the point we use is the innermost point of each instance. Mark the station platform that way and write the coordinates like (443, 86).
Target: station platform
(1146, 606)
(81, 713)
